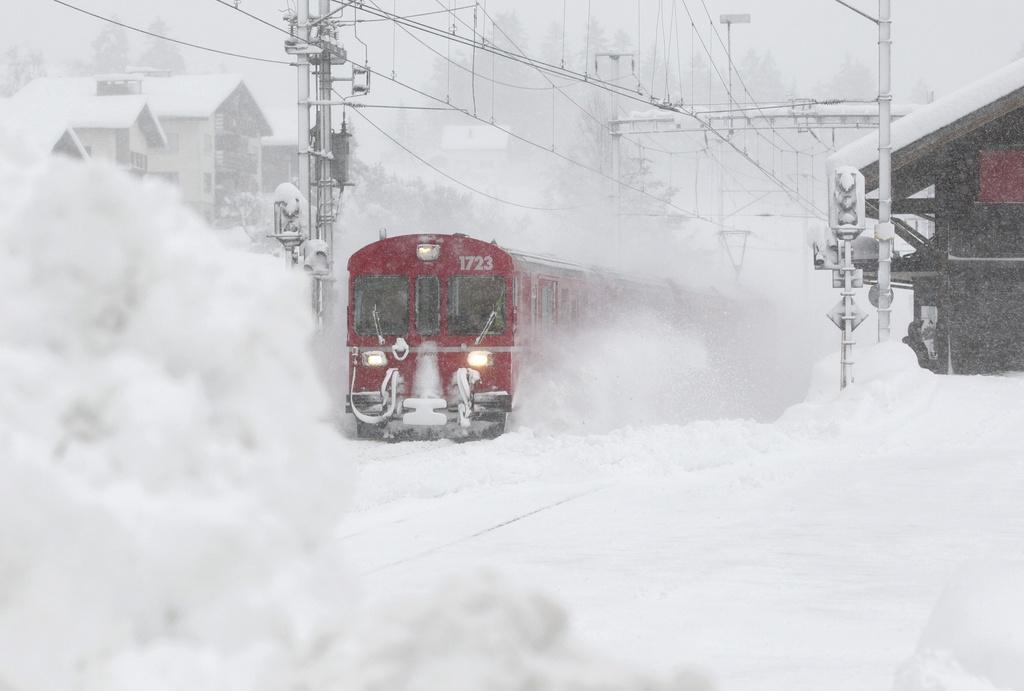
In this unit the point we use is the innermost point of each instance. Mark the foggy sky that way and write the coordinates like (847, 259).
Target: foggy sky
(947, 43)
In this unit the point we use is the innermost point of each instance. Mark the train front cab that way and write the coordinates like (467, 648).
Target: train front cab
(431, 337)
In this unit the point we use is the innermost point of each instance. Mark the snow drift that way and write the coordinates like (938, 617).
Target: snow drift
(170, 500)
(168, 493)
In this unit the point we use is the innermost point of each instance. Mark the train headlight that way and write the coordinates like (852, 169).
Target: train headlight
(479, 358)
(375, 358)
(428, 253)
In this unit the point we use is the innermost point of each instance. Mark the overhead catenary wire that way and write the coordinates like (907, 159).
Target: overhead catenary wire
(170, 39)
(461, 183)
(530, 142)
(560, 88)
(563, 72)
(794, 194)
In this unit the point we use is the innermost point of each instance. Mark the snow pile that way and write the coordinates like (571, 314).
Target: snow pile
(168, 495)
(477, 633)
(974, 640)
(894, 405)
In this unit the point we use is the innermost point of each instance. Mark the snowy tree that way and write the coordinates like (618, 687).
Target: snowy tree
(622, 41)
(761, 75)
(510, 34)
(110, 50)
(161, 54)
(854, 81)
(20, 70)
(595, 40)
(552, 45)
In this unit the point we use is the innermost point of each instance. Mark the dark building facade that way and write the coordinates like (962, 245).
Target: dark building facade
(959, 163)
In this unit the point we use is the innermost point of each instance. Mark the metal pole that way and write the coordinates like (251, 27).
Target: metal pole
(302, 61)
(617, 161)
(848, 314)
(728, 57)
(324, 186)
(885, 231)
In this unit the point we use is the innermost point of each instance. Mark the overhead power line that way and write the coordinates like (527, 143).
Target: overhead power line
(564, 72)
(551, 69)
(168, 38)
(613, 88)
(437, 170)
(530, 142)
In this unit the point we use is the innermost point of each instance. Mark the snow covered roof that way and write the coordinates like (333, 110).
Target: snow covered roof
(285, 125)
(177, 96)
(473, 138)
(39, 132)
(189, 95)
(940, 122)
(73, 102)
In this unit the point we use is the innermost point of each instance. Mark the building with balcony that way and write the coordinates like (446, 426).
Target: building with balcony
(213, 127)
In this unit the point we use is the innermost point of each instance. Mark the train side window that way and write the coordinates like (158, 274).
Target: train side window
(428, 305)
(547, 301)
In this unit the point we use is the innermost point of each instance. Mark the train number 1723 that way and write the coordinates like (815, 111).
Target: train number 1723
(475, 263)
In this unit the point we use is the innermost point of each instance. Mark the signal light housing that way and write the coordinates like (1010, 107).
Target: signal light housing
(316, 258)
(846, 213)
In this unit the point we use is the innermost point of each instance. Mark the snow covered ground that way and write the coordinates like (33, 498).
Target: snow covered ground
(803, 554)
(172, 508)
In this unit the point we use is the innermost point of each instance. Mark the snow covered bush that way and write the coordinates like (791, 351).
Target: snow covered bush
(168, 491)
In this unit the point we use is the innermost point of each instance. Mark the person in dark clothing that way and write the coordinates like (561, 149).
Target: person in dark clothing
(916, 342)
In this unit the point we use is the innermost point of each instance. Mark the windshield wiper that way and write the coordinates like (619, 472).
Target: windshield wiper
(376, 324)
(490, 319)
(487, 327)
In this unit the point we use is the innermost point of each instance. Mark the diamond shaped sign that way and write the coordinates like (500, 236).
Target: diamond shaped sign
(836, 315)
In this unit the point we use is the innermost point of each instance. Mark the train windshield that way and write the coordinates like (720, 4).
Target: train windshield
(381, 305)
(476, 305)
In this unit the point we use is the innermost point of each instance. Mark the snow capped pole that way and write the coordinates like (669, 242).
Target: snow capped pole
(322, 235)
(302, 63)
(884, 231)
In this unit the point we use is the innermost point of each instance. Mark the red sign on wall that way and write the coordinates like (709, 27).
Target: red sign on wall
(1002, 177)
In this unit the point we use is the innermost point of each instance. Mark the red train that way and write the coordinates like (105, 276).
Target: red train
(440, 327)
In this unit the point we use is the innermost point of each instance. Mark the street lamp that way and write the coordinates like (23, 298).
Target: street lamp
(729, 20)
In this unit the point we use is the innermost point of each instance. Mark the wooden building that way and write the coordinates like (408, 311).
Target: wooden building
(958, 163)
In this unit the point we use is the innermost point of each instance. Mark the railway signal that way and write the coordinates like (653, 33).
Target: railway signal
(846, 204)
(846, 222)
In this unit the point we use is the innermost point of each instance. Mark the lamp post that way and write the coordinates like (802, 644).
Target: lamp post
(729, 20)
